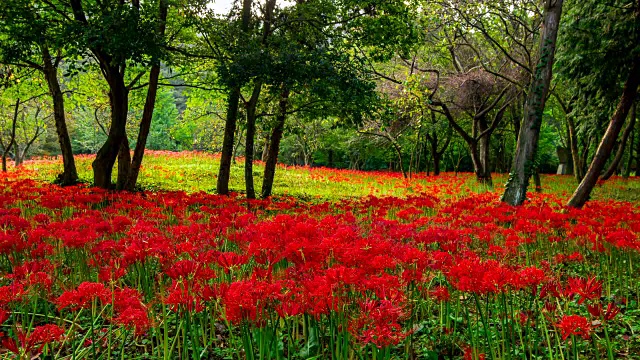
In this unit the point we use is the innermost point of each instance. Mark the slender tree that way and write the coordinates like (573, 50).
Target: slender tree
(27, 39)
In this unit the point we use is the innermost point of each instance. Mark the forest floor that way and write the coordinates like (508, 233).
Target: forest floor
(338, 265)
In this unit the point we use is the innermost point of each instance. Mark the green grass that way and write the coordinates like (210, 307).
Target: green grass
(194, 172)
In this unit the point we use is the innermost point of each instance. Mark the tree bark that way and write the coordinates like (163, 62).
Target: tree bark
(147, 113)
(578, 171)
(485, 169)
(627, 169)
(124, 164)
(265, 147)
(623, 144)
(119, 102)
(12, 139)
(224, 173)
(525, 155)
(583, 192)
(249, 141)
(274, 145)
(69, 174)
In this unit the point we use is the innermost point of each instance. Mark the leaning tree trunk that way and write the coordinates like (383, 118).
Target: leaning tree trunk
(623, 144)
(582, 193)
(69, 174)
(106, 156)
(147, 112)
(527, 147)
(274, 145)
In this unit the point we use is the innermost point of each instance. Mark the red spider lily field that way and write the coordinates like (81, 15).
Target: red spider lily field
(339, 265)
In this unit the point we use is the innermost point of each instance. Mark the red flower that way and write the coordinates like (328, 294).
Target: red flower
(574, 325)
(596, 311)
(84, 296)
(41, 335)
(586, 288)
(135, 318)
(440, 293)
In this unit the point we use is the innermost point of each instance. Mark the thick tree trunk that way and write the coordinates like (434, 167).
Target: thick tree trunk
(249, 142)
(525, 155)
(69, 174)
(623, 144)
(124, 164)
(274, 145)
(582, 193)
(484, 149)
(224, 173)
(147, 113)
(106, 156)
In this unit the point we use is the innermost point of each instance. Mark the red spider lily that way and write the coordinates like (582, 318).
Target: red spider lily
(378, 323)
(587, 289)
(189, 269)
(574, 325)
(608, 315)
(40, 336)
(83, 296)
(440, 293)
(4, 315)
(181, 296)
(134, 318)
(469, 354)
(11, 293)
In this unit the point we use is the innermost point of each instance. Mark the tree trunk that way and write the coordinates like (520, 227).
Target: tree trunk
(582, 193)
(12, 139)
(265, 148)
(124, 164)
(222, 186)
(119, 102)
(274, 145)
(525, 155)
(478, 161)
(17, 159)
(249, 141)
(484, 148)
(627, 169)
(69, 174)
(623, 144)
(224, 173)
(147, 113)
(578, 171)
